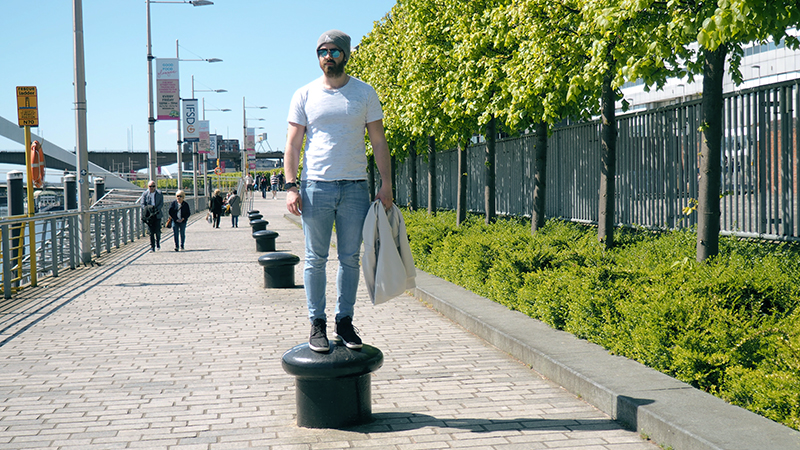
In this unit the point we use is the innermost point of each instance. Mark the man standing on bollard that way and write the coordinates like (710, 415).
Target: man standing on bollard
(332, 112)
(152, 197)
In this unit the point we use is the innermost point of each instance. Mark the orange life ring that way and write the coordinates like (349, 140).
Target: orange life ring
(217, 171)
(37, 164)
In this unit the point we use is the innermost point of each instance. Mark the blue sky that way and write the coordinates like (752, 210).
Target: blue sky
(267, 48)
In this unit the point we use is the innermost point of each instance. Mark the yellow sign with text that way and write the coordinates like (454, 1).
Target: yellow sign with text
(27, 111)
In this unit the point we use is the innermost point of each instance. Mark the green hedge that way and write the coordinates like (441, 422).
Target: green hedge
(730, 326)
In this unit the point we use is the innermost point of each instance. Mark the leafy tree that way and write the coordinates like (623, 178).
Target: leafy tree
(411, 85)
(720, 28)
(621, 35)
(537, 89)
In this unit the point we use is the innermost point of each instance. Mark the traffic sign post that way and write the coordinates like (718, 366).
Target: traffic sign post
(28, 115)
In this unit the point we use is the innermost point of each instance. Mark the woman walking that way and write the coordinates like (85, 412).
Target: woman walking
(236, 208)
(216, 208)
(179, 212)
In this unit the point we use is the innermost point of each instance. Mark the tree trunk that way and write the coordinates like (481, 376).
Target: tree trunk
(394, 177)
(461, 197)
(412, 176)
(489, 190)
(605, 221)
(539, 177)
(371, 176)
(708, 212)
(431, 176)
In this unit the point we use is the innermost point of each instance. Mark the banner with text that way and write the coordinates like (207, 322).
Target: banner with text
(191, 133)
(205, 143)
(251, 148)
(167, 89)
(213, 146)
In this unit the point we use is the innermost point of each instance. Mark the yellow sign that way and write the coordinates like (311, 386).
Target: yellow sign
(27, 111)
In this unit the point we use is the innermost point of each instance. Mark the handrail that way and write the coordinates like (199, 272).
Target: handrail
(57, 241)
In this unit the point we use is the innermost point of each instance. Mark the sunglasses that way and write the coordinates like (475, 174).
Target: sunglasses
(334, 52)
(179, 196)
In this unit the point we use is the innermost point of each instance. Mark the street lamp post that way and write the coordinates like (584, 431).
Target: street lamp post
(205, 156)
(243, 151)
(180, 143)
(81, 142)
(152, 163)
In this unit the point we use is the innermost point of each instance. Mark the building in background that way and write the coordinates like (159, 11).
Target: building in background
(762, 64)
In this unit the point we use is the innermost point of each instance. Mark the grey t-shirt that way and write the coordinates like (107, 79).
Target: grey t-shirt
(335, 122)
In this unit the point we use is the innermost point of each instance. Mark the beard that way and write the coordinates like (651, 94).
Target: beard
(336, 70)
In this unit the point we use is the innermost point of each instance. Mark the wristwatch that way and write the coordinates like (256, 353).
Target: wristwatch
(289, 185)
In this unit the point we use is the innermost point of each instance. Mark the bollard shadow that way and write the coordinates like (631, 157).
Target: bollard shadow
(403, 421)
(297, 286)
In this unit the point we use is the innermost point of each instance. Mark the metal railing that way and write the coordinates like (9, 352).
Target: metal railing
(57, 240)
(657, 168)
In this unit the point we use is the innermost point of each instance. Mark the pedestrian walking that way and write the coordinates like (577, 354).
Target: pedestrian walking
(179, 212)
(235, 203)
(273, 181)
(332, 113)
(215, 205)
(263, 185)
(153, 198)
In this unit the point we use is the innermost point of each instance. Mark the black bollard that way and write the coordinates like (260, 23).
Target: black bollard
(265, 240)
(333, 389)
(70, 192)
(99, 189)
(15, 192)
(278, 269)
(258, 224)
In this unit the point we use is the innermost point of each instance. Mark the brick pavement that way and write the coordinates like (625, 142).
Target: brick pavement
(182, 350)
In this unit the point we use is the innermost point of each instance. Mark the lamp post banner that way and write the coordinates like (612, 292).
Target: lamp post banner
(191, 131)
(213, 145)
(251, 148)
(167, 88)
(204, 137)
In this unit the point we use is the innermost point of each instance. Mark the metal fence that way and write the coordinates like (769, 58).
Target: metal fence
(657, 168)
(57, 240)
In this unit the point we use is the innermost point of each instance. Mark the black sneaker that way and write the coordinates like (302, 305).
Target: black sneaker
(318, 340)
(348, 333)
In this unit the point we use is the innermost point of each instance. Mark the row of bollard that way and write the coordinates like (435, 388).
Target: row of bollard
(333, 388)
(278, 266)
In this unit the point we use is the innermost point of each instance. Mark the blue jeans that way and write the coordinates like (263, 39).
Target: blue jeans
(344, 203)
(234, 221)
(179, 230)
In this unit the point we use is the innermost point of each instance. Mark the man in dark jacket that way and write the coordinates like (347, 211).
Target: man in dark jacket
(152, 198)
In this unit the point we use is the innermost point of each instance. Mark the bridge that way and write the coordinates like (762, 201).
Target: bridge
(127, 162)
(108, 163)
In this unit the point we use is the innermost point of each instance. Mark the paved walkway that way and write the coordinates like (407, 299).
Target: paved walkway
(182, 350)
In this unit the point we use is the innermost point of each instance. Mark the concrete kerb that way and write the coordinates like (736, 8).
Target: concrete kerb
(668, 411)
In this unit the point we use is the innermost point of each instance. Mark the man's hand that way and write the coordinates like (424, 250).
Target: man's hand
(294, 203)
(385, 196)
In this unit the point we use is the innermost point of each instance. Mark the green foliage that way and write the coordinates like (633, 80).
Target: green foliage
(730, 326)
